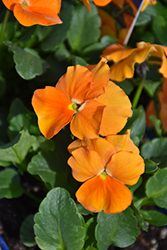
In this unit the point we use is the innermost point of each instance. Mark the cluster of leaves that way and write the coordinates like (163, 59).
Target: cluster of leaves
(33, 57)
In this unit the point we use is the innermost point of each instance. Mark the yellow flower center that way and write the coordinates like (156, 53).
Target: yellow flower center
(24, 4)
(74, 106)
(103, 175)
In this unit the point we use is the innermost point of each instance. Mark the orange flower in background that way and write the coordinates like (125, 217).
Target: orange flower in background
(148, 2)
(162, 111)
(124, 59)
(97, 2)
(31, 12)
(105, 166)
(85, 97)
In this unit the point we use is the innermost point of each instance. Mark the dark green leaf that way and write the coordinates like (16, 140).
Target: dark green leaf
(156, 188)
(59, 215)
(155, 148)
(154, 217)
(151, 87)
(137, 124)
(150, 166)
(160, 28)
(84, 29)
(27, 231)
(117, 229)
(157, 124)
(28, 63)
(10, 186)
(16, 151)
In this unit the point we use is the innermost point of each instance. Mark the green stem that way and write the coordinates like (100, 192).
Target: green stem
(138, 93)
(31, 42)
(3, 26)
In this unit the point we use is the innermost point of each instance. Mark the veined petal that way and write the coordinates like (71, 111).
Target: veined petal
(101, 74)
(125, 68)
(102, 2)
(52, 108)
(76, 83)
(10, 3)
(76, 144)
(123, 142)
(103, 147)
(35, 15)
(116, 52)
(117, 111)
(86, 123)
(85, 164)
(54, 5)
(126, 167)
(109, 195)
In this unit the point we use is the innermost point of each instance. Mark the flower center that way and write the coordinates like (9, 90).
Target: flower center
(74, 106)
(103, 175)
(24, 4)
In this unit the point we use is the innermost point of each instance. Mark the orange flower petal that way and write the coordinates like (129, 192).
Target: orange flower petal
(51, 107)
(76, 144)
(10, 3)
(86, 123)
(117, 111)
(35, 15)
(54, 5)
(150, 110)
(123, 142)
(87, 4)
(109, 195)
(102, 2)
(85, 164)
(108, 26)
(104, 148)
(163, 115)
(101, 74)
(126, 167)
(116, 52)
(125, 69)
(76, 83)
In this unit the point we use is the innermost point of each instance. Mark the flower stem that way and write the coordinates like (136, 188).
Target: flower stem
(31, 42)
(138, 93)
(3, 26)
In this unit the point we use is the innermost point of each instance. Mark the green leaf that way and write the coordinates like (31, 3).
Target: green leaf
(10, 186)
(126, 85)
(146, 16)
(90, 233)
(117, 229)
(154, 218)
(151, 87)
(27, 231)
(156, 188)
(84, 29)
(57, 224)
(57, 33)
(150, 166)
(44, 165)
(137, 124)
(16, 151)
(155, 148)
(157, 124)
(160, 27)
(19, 117)
(28, 63)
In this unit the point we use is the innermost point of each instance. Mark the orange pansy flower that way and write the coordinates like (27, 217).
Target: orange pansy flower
(124, 59)
(31, 12)
(147, 2)
(85, 97)
(105, 165)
